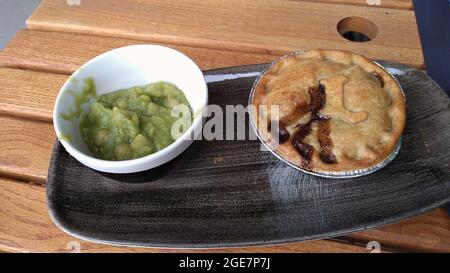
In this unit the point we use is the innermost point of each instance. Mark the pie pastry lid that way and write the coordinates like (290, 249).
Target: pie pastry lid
(325, 174)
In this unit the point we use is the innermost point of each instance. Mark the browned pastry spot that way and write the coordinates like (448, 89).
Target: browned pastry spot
(317, 98)
(305, 150)
(316, 103)
(326, 144)
(283, 134)
(292, 105)
(378, 76)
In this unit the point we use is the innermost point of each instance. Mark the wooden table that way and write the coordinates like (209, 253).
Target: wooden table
(215, 33)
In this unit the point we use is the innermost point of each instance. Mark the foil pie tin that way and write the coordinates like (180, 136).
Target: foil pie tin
(341, 174)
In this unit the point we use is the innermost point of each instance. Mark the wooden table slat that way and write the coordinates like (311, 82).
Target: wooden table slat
(236, 25)
(55, 52)
(29, 94)
(26, 148)
(393, 4)
(429, 232)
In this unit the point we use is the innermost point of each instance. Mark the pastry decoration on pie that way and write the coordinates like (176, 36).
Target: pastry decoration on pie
(328, 111)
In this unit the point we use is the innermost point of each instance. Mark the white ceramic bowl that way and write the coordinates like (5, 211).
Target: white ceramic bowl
(123, 68)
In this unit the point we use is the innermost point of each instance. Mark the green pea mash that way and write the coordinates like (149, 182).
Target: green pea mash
(134, 122)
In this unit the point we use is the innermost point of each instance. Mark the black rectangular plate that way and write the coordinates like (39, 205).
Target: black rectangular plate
(231, 193)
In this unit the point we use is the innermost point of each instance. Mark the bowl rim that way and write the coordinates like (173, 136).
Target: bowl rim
(111, 164)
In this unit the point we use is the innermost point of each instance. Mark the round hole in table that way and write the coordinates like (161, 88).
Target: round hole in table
(357, 29)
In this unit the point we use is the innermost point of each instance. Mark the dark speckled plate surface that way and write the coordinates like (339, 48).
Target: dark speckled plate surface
(230, 193)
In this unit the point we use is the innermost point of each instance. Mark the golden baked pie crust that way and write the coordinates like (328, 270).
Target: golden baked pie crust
(364, 104)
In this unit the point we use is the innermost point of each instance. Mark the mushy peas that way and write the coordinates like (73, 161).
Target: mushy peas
(135, 122)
